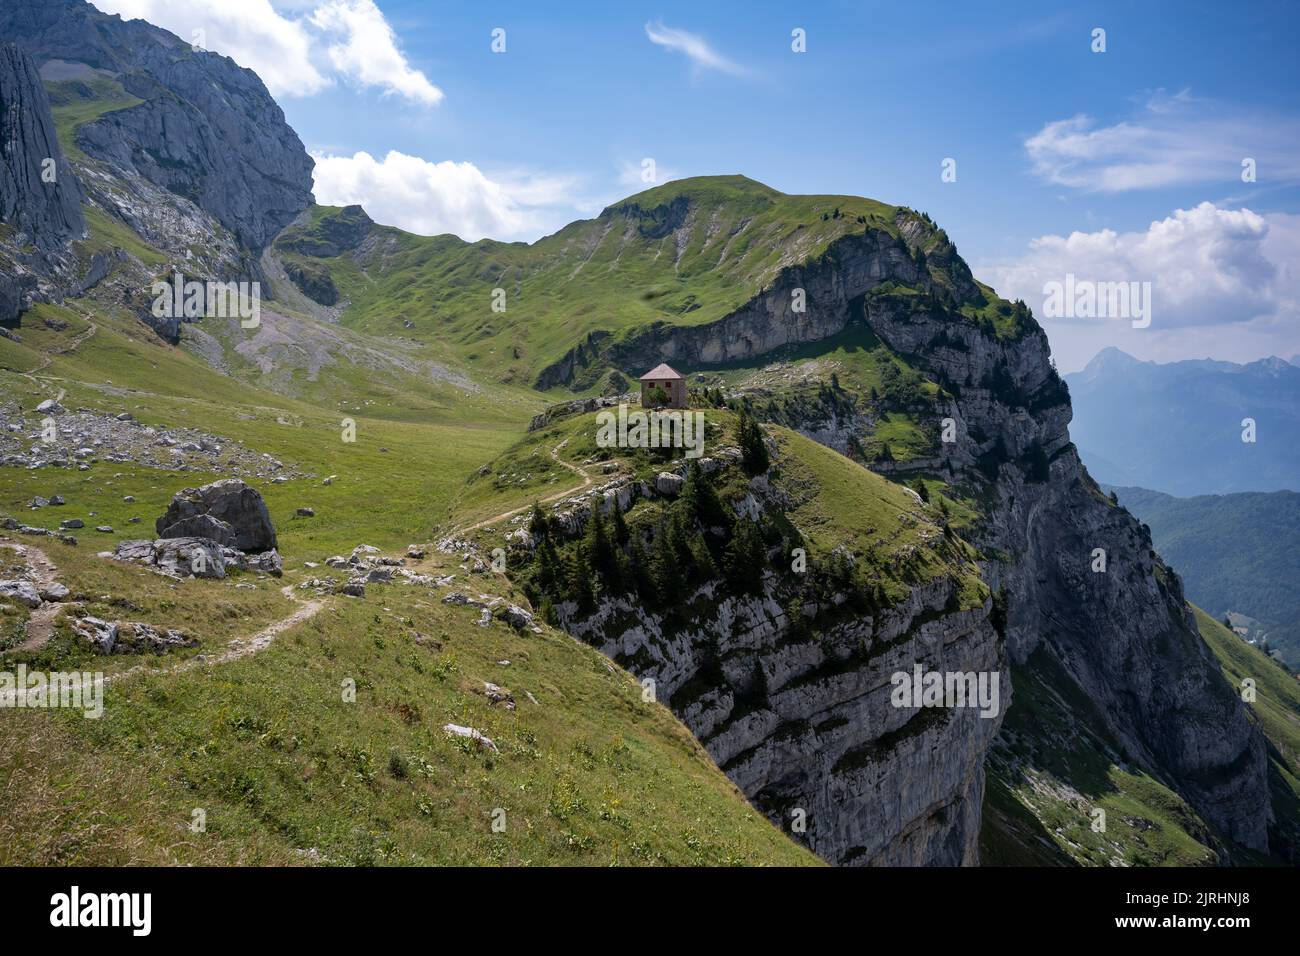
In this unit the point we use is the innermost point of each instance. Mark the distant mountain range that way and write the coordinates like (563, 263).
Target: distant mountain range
(1237, 554)
(1178, 427)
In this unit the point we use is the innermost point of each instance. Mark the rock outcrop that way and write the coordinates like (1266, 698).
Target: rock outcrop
(196, 557)
(335, 231)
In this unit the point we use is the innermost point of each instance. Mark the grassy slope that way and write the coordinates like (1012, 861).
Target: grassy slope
(77, 102)
(1050, 770)
(394, 482)
(287, 771)
(618, 272)
(1276, 708)
(591, 776)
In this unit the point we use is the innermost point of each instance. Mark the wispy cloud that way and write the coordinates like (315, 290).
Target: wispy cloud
(694, 47)
(366, 50)
(1172, 140)
(298, 55)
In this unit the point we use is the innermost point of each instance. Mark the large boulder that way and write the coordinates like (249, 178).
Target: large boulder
(227, 512)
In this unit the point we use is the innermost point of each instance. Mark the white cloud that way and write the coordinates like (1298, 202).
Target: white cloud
(1174, 140)
(1224, 282)
(446, 197)
(294, 55)
(367, 52)
(250, 32)
(695, 47)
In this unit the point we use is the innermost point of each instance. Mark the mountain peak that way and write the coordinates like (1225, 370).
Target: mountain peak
(695, 189)
(1110, 359)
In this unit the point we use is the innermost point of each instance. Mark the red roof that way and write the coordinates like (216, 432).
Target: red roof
(660, 372)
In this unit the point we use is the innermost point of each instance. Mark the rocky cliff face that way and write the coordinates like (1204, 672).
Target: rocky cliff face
(1123, 635)
(39, 195)
(40, 198)
(207, 129)
(877, 784)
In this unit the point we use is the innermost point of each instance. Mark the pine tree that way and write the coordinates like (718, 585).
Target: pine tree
(745, 558)
(700, 499)
(753, 449)
(539, 526)
(665, 569)
(581, 586)
(621, 533)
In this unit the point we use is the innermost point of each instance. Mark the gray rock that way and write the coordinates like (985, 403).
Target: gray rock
(484, 743)
(136, 638)
(268, 562)
(101, 634)
(667, 483)
(190, 557)
(498, 695)
(24, 592)
(227, 511)
(54, 592)
(138, 552)
(200, 526)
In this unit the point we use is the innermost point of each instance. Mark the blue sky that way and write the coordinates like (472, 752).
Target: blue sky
(1137, 149)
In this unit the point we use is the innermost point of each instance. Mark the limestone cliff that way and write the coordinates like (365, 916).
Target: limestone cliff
(40, 198)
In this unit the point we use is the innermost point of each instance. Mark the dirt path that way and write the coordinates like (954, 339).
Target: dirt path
(70, 347)
(555, 453)
(245, 647)
(40, 624)
(240, 646)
